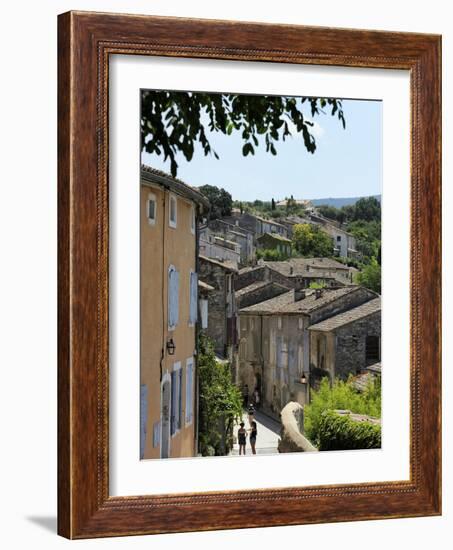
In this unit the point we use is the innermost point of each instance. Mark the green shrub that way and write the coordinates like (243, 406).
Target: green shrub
(271, 255)
(338, 432)
(314, 285)
(342, 395)
(220, 401)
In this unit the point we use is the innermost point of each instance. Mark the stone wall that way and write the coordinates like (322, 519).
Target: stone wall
(350, 356)
(292, 439)
(273, 355)
(215, 275)
(245, 221)
(237, 234)
(218, 251)
(344, 303)
(262, 273)
(260, 294)
(250, 276)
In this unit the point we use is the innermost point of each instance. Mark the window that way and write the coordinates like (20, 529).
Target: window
(189, 391)
(151, 210)
(193, 298)
(173, 213)
(192, 220)
(229, 286)
(320, 351)
(338, 238)
(156, 434)
(173, 297)
(204, 313)
(279, 323)
(176, 405)
(372, 348)
(301, 323)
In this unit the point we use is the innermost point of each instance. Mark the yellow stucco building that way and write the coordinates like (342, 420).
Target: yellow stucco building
(169, 211)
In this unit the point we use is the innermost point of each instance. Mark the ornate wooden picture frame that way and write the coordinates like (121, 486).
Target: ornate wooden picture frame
(86, 40)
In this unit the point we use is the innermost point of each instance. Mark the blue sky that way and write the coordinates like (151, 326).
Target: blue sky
(346, 163)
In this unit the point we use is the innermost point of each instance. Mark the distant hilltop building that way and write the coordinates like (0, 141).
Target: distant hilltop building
(299, 202)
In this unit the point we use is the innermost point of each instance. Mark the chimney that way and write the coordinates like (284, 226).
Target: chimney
(318, 293)
(299, 294)
(291, 270)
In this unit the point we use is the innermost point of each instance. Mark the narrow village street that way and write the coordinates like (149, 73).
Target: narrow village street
(267, 437)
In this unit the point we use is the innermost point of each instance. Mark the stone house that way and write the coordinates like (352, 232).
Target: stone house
(305, 203)
(347, 343)
(256, 224)
(218, 247)
(274, 351)
(258, 292)
(304, 271)
(169, 212)
(259, 283)
(274, 241)
(239, 235)
(222, 310)
(262, 272)
(345, 244)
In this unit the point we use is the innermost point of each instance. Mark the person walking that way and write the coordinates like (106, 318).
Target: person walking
(253, 434)
(245, 396)
(251, 411)
(256, 396)
(242, 438)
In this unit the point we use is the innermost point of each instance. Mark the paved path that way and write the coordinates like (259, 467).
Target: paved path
(267, 437)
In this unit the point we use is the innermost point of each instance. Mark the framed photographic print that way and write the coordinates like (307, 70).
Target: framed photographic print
(249, 275)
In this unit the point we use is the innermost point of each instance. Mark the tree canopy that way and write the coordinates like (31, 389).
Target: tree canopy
(221, 201)
(309, 241)
(365, 209)
(173, 122)
(370, 276)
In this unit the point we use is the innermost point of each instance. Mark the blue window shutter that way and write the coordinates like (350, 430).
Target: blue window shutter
(143, 417)
(180, 399)
(173, 404)
(156, 434)
(176, 297)
(189, 390)
(170, 297)
(193, 298)
(173, 297)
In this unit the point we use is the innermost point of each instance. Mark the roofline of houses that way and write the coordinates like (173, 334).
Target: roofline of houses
(281, 311)
(236, 228)
(317, 327)
(152, 175)
(226, 266)
(274, 236)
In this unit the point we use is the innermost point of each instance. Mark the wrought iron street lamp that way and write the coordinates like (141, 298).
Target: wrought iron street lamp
(171, 347)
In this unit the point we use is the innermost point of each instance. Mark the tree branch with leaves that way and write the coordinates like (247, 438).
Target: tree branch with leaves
(174, 122)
